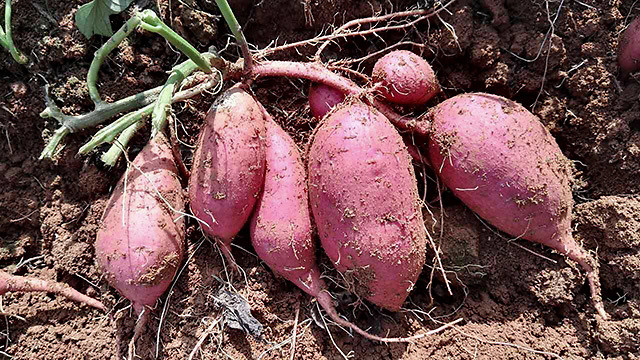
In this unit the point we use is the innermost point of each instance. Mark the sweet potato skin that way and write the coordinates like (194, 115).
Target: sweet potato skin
(364, 201)
(323, 98)
(502, 163)
(629, 49)
(229, 165)
(405, 78)
(280, 227)
(140, 243)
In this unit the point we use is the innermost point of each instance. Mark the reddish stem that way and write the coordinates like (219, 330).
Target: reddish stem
(319, 73)
(588, 263)
(15, 283)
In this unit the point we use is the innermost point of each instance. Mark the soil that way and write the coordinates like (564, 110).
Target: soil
(518, 300)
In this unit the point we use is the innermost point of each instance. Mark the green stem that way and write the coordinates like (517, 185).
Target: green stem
(163, 103)
(102, 53)
(71, 123)
(151, 22)
(109, 132)
(6, 40)
(105, 111)
(161, 108)
(236, 30)
(50, 150)
(147, 20)
(111, 157)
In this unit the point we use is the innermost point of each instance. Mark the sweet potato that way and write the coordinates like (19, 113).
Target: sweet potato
(140, 243)
(323, 98)
(280, 227)
(504, 164)
(629, 49)
(403, 77)
(228, 170)
(281, 224)
(364, 200)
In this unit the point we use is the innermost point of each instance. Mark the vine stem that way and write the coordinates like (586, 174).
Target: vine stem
(149, 21)
(317, 72)
(111, 156)
(101, 54)
(6, 38)
(159, 111)
(71, 123)
(236, 30)
(111, 131)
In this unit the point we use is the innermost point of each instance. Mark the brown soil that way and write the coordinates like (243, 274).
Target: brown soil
(516, 303)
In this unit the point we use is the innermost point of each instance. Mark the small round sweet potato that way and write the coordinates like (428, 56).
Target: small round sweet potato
(364, 200)
(504, 164)
(403, 77)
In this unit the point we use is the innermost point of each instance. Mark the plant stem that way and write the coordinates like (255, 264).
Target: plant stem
(79, 122)
(151, 22)
(236, 30)
(102, 53)
(57, 137)
(6, 39)
(109, 132)
(316, 72)
(111, 157)
(158, 113)
(72, 124)
(161, 107)
(163, 103)
(148, 20)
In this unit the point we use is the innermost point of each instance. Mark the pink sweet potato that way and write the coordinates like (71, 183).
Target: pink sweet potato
(364, 200)
(228, 170)
(629, 49)
(502, 163)
(140, 243)
(323, 98)
(281, 224)
(403, 77)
